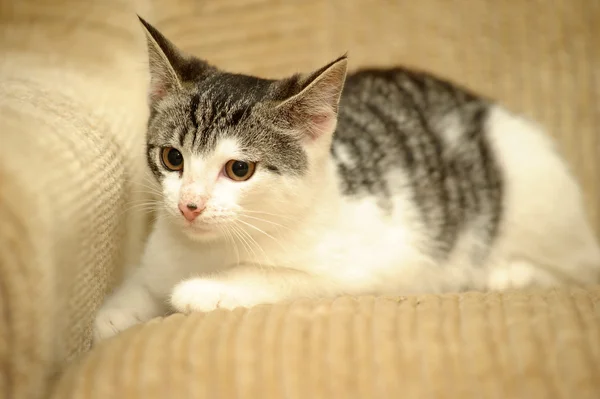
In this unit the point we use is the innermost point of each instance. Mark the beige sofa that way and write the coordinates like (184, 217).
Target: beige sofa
(72, 116)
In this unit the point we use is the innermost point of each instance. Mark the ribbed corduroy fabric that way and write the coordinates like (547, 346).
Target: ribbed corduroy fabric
(73, 76)
(518, 345)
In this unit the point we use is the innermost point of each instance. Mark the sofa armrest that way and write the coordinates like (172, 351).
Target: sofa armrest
(72, 139)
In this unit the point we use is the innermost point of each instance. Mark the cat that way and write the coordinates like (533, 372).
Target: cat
(425, 187)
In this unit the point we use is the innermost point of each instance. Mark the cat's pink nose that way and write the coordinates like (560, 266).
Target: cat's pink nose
(190, 210)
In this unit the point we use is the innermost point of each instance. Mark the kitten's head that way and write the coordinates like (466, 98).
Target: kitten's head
(236, 153)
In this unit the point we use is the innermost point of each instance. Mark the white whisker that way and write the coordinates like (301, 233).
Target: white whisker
(142, 207)
(266, 221)
(249, 236)
(258, 229)
(276, 215)
(247, 246)
(229, 237)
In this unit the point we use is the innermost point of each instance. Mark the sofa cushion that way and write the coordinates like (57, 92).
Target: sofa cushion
(536, 344)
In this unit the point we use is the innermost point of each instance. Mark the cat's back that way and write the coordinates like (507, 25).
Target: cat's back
(409, 137)
(480, 183)
(408, 119)
(419, 94)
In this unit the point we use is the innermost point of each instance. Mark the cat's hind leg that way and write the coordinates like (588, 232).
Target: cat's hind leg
(544, 221)
(518, 274)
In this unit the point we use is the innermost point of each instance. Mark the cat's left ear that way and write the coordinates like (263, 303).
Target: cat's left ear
(312, 112)
(170, 68)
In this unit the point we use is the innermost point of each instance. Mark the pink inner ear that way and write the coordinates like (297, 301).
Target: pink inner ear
(159, 87)
(321, 123)
(157, 92)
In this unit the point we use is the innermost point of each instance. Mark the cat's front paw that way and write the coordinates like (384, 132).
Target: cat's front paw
(111, 321)
(203, 295)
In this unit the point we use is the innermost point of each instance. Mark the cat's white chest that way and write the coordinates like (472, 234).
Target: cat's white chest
(362, 245)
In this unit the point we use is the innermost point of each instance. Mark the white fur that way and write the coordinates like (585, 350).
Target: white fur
(312, 242)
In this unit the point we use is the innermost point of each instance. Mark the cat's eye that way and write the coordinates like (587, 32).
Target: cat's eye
(239, 170)
(172, 159)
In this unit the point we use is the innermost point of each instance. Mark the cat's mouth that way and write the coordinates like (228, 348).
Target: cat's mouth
(202, 227)
(198, 226)
(199, 229)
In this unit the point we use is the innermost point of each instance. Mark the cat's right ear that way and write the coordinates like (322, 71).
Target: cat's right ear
(170, 68)
(312, 108)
